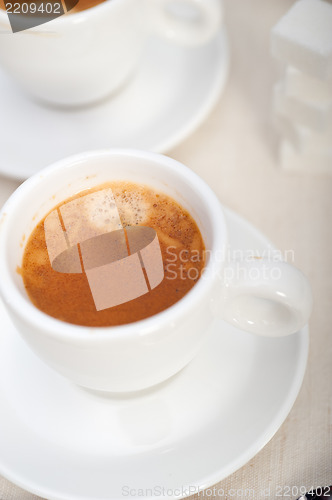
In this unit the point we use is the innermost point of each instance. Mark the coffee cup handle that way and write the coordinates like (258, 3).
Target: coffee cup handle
(264, 297)
(189, 22)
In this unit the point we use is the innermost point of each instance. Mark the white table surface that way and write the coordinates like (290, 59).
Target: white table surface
(234, 150)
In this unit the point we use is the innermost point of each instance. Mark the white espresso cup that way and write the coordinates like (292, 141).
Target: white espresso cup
(84, 56)
(141, 354)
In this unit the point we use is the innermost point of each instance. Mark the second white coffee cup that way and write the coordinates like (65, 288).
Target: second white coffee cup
(82, 57)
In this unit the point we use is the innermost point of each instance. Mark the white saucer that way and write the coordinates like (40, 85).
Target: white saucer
(171, 93)
(63, 442)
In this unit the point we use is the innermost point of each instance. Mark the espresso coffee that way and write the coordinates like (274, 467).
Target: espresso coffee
(116, 242)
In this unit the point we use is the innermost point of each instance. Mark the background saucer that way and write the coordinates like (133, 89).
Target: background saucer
(171, 93)
(63, 442)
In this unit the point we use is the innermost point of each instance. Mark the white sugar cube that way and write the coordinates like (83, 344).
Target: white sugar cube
(288, 130)
(303, 38)
(302, 138)
(313, 161)
(314, 142)
(314, 114)
(307, 88)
